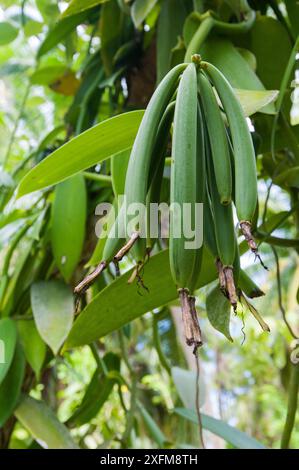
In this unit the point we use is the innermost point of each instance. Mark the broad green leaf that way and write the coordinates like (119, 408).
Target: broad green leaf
(10, 389)
(48, 9)
(68, 224)
(43, 425)
(12, 67)
(185, 382)
(77, 6)
(52, 306)
(140, 9)
(267, 36)
(170, 25)
(152, 427)
(274, 221)
(33, 346)
(96, 393)
(8, 33)
(218, 311)
(288, 178)
(191, 25)
(47, 75)
(60, 31)
(237, 438)
(8, 338)
(87, 149)
(253, 101)
(119, 164)
(120, 302)
(222, 53)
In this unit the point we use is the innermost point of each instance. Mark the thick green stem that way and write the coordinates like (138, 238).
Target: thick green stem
(292, 407)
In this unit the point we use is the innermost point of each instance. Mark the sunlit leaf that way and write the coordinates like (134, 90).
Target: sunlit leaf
(43, 425)
(288, 178)
(185, 382)
(237, 438)
(119, 164)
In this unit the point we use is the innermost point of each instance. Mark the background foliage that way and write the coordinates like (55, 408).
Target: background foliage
(125, 378)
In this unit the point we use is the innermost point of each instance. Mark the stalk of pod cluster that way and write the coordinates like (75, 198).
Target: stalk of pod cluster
(213, 162)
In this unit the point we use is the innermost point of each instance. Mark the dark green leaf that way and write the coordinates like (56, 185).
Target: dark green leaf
(42, 423)
(96, 393)
(111, 38)
(8, 33)
(237, 438)
(253, 101)
(140, 9)
(87, 149)
(52, 306)
(120, 302)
